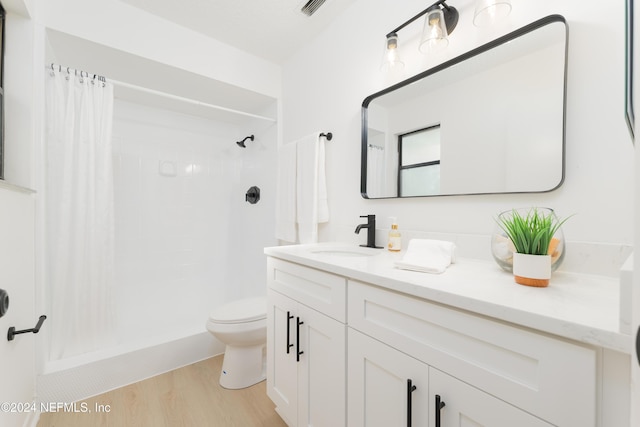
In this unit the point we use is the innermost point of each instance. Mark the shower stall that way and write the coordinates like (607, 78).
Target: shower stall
(185, 238)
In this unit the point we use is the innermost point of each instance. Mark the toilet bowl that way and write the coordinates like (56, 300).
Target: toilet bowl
(242, 326)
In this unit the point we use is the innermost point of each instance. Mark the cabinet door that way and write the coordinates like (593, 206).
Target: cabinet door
(380, 394)
(282, 377)
(322, 370)
(467, 406)
(17, 278)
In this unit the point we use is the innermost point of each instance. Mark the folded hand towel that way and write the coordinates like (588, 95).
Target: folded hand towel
(429, 256)
(286, 194)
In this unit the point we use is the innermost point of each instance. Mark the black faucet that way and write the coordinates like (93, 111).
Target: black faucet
(371, 231)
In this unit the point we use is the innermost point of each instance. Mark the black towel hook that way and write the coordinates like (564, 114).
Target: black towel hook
(327, 135)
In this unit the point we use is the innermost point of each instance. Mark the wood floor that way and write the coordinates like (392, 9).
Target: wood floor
(186, 397)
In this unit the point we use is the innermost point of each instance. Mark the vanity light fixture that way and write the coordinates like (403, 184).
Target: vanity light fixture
(435, 34)
(440, 21)
(489, 12)
(391, 59)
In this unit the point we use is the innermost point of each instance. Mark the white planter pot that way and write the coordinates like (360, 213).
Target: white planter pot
(532, 270)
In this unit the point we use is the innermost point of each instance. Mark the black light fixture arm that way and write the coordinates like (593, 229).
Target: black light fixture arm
(424, 12)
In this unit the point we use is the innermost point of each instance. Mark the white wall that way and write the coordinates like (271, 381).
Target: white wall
(185, 236)
(169, 172)
(20, 97)
(132, 30)
(343, 64)
(251, 227)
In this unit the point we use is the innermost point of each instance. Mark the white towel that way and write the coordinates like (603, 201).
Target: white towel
(428, 256)
(286, 194)
(323, 204)
(311, 190)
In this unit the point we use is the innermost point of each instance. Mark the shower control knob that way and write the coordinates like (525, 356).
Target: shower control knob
(4, 302)
(253, 195)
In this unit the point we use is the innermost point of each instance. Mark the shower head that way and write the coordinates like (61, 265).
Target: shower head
(241, 143)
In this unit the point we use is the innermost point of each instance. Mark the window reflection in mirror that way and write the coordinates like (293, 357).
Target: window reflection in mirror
(419, 159)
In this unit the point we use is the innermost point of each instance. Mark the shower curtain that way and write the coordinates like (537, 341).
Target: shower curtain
(376, 173)
(79, 225)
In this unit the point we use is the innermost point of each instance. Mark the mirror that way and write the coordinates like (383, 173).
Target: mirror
(489, 121)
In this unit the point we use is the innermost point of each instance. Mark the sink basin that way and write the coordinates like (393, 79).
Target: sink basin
(346, 251)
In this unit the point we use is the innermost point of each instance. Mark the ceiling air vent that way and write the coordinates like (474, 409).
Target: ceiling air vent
(310, 7)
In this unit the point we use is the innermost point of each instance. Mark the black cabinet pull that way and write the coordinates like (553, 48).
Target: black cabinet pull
(410, 389)
(299, 322)
(439, 405)
(289, 317)
(638, 345)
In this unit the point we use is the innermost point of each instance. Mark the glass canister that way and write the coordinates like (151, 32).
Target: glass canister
(502, 248)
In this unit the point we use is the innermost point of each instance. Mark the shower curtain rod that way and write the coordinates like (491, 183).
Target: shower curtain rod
(162, 94)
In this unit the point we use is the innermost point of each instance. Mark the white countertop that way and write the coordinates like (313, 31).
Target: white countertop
(579, 307)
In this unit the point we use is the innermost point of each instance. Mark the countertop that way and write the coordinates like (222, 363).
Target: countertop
(580, 307)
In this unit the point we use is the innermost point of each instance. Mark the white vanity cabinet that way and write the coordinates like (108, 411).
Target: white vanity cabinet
(390, 388)
(472, 359)
(306, 345)
(380, 345)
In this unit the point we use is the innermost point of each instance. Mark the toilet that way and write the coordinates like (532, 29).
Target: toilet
(242, 326)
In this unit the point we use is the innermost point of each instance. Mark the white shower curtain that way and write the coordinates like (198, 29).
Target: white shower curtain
(376, 173)
(79, 223)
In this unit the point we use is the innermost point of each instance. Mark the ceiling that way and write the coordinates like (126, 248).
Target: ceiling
(271, 29)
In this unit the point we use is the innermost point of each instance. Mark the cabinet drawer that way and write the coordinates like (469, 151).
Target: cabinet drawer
(552, 378)
(317, 289)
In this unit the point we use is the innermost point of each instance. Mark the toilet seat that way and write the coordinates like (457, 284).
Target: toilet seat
(240, 311)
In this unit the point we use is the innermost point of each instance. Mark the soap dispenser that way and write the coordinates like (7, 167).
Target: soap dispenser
(395, 242)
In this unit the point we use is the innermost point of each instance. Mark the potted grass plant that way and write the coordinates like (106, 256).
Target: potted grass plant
(532, 234)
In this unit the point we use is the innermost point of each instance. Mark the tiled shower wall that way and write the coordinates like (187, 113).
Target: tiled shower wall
(184, 242)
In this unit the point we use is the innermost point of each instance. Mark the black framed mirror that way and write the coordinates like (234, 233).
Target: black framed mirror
(499, 111)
